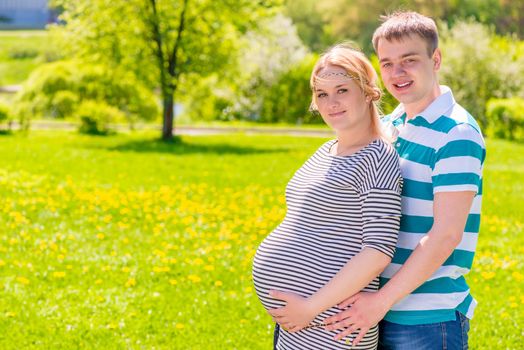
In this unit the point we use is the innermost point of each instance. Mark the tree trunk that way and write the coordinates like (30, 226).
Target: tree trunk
(168, 117)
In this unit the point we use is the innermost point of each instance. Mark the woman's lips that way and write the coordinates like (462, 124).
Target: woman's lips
(337, 114)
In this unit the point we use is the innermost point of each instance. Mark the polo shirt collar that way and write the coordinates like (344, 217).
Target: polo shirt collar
(442, 104)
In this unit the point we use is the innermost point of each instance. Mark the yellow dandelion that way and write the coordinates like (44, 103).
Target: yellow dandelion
(209, 267)
(98, 281)
(59, 274)
(161, 269)
(517, 276)
(126, 269)
(130, 282)
(2, 263)
(488, 275)
(100, 236)
(218, 283)
(173, 282)
(10, 314)
(194, 278)
(180, 326)
(22, 280)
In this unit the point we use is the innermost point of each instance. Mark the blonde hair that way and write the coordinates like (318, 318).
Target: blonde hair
(360, 69)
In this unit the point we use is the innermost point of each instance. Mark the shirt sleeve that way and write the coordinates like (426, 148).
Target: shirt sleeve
(381, 208)
(458, 162)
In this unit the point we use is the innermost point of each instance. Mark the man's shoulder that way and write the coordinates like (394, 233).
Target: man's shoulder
(456, 116)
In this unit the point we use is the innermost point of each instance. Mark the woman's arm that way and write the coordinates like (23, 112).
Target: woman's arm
(356, 274)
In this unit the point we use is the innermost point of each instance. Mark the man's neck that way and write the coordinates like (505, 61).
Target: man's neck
(414, 109)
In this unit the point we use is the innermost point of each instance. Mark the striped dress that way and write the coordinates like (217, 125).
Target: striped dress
(336, 206)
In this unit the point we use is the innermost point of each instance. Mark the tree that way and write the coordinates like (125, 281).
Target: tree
(165, 42)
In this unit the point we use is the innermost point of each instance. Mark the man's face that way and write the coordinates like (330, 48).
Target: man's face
(408, 72)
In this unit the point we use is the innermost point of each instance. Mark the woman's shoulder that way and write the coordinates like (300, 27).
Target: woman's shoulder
(383, 149)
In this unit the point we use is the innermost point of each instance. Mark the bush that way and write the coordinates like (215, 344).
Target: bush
(64, 104)
(506, 118)
(95, 117)
(53, 89)
(5, 113)
(478, 66)
(288, 99)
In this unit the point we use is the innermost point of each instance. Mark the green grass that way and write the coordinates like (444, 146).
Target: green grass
(125, 242)
(21, 52)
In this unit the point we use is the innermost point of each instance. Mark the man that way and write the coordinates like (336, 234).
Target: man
(424, 301)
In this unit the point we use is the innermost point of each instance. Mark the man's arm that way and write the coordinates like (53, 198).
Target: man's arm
(450, 211)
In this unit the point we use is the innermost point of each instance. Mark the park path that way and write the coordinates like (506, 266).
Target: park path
(193, 130)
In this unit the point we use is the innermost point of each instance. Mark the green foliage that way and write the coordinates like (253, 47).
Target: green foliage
(289, 98)
(209, 100)
(54, 89)
(320, 23)
(5, 112)
(506, 118)
(64, 104)
(95, 117)
(478, 65)
(240, 93)
(163, 42)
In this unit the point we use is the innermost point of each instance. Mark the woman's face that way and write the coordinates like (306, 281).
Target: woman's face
(340, 101)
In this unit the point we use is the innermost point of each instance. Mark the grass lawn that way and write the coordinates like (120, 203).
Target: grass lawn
(124, 242)
(21, 52)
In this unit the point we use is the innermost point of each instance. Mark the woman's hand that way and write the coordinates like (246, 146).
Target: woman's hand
(297, 313)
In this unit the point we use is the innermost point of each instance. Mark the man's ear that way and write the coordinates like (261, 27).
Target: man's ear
(437, 59)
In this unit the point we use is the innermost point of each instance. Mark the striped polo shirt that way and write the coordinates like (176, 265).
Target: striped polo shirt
(441, 150)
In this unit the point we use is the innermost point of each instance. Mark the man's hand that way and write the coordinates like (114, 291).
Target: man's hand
(297, 313)
(366, 310)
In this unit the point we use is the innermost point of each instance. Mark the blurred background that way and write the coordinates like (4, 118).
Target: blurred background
(97, 63)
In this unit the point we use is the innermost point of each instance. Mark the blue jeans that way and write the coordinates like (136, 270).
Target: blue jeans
(450, 335)
(275, 336)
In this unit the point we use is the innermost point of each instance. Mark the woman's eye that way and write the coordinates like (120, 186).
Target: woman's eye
(322, 94)
(341, 91)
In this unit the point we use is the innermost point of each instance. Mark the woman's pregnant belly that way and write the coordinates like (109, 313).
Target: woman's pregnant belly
(299, 262)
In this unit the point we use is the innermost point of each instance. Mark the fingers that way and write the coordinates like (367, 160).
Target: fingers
(276, 312)
(338, 317)
(276, 294)
(347, 322)
(348, 301)
(346, 332)
(360, 335)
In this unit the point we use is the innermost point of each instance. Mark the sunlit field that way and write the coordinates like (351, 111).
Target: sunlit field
(125, 242)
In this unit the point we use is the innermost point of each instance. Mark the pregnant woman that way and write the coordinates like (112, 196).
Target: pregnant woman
(343, 212)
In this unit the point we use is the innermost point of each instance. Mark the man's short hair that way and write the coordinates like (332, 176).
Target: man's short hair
(400, 25)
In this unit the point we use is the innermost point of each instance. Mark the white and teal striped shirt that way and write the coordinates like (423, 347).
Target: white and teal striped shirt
(441, 150)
